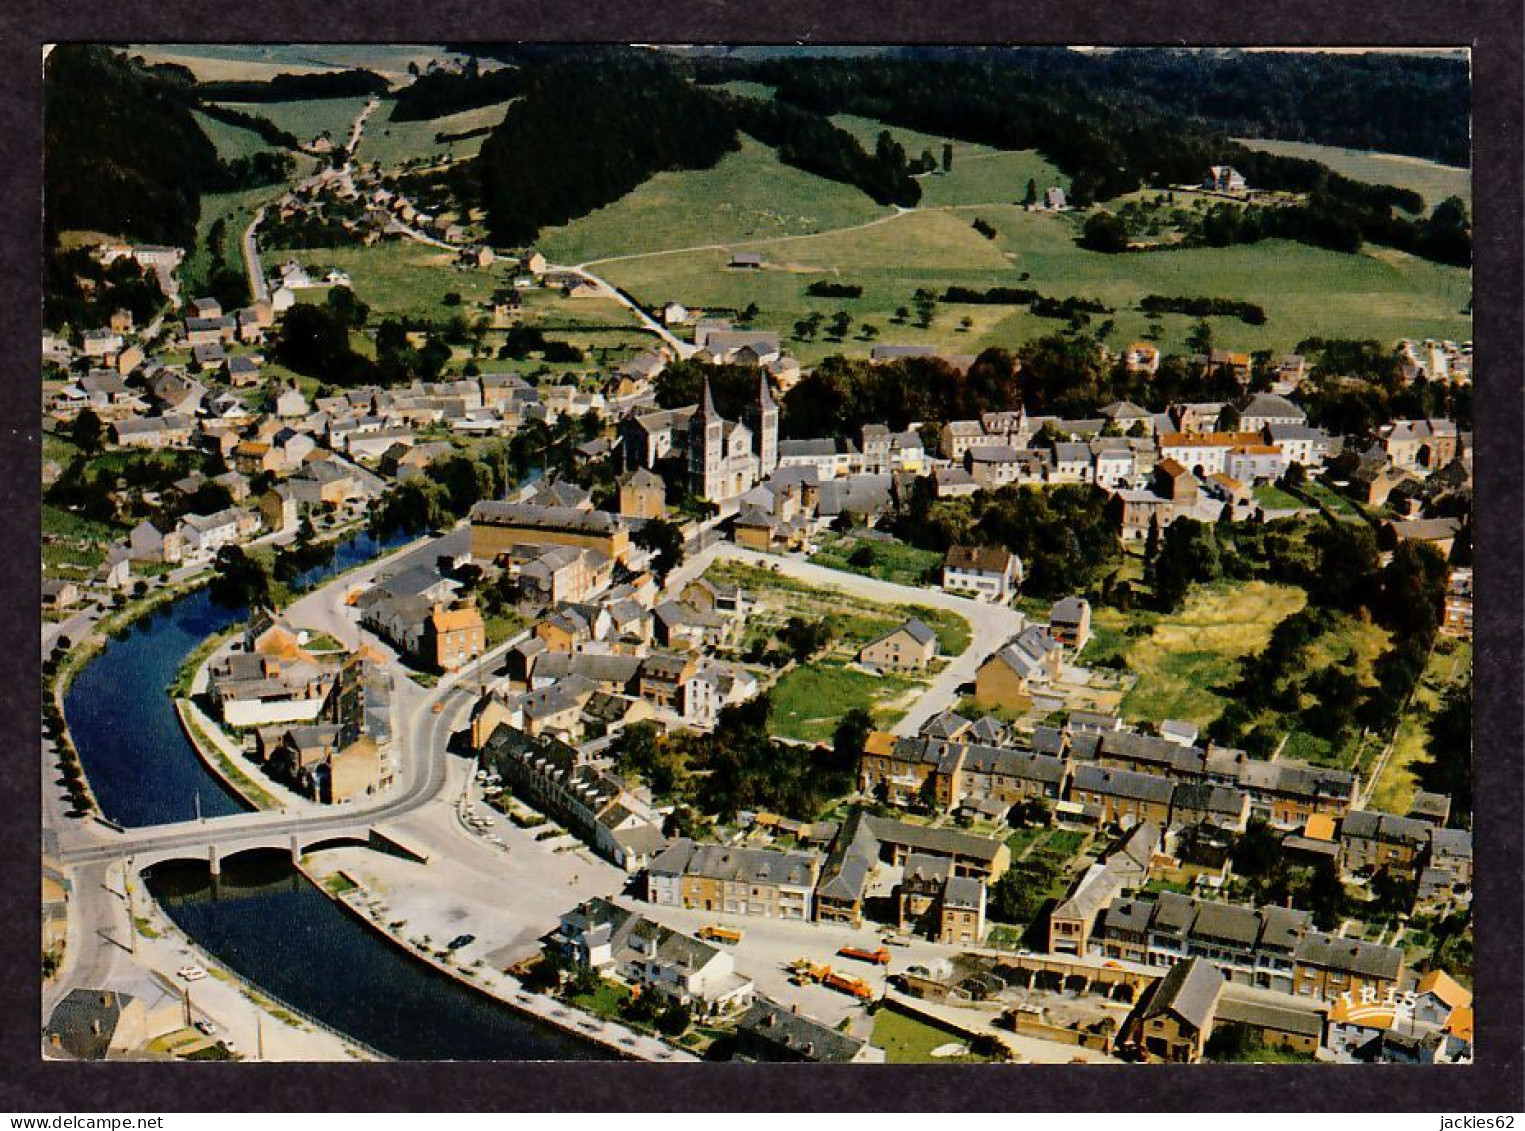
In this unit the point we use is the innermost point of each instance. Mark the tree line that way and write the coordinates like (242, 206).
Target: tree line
(441, 93)
(1201, 307)
(1107, 148)
(582, 137)
(355, 83)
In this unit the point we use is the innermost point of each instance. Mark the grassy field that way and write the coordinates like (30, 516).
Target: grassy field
(1394, 790)
(997, 177)
(867, 131)
(748, 195)
(393, 143)
(231, 141)
(217, 62)
(1190, 653)
(237, 208)
(1274, 498)
(1304, 290)
(310, 118)
(800, 697)
(890, 561)
(1429, 179)
(402, 277)
(909, 1040)
(1342, 507)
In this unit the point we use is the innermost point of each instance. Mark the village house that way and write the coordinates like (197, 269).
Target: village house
(453, 636)
(1224, 178)
(1420, 446)
(616, 821)
(497, 527)
(1125, 868)
(770, 1033)
(910, 647)
(987, 573)
(1069, 622)
(153, 432)
(1124, 797)
(1174, 1023)
(1008, 678)
(947, 908)
(734, 880)
(1371, 841)
(602, 936)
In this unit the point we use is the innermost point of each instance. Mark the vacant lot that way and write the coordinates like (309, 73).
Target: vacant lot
(809, 701)
(1191, 652)
(1429, 179)
(888, 561)
(853, 621)
(749, 195)
(1450, 665)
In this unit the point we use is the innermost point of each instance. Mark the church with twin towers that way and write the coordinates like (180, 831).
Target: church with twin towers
(727, 458)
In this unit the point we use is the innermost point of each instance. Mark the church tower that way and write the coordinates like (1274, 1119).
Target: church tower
(706, 449)
(764, 421)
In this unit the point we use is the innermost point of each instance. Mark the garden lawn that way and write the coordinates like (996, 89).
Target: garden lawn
(1275, 499)
(1342, 507)
(1197, 649)
(603, 1002)
(909, 1040)
(810, 700)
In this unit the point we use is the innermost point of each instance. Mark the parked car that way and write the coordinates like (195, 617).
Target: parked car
(191, 973)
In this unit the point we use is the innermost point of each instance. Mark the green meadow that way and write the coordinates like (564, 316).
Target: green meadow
(1305, 291)
(1429, 179)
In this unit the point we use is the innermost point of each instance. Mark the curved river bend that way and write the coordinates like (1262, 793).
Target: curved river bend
(262, 917)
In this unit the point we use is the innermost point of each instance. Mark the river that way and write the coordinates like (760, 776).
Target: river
(138, 762)
(263, 918)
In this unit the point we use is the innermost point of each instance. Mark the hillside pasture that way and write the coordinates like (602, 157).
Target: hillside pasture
(393, 143)
(1431, 180)
(1305, 291)
(748, 195)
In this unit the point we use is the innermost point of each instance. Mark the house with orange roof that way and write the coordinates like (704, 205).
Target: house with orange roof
(1438, 997)
(453, 636)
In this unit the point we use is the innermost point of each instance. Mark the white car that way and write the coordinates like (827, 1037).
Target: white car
(191, 973)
